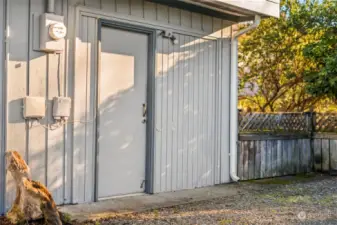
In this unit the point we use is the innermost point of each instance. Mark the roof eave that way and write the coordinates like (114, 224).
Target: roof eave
(235, 11)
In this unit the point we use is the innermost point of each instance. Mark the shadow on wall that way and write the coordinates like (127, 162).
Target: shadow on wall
(185, 100)
(185, 127)
(49, 167)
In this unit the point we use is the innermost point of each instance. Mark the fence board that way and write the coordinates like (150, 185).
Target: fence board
(251, 159)
(284, 154)
(325, 155)
(318, 154)
(308, 155)
(274, 158)
(333, 156)
(289, 148)
(268, 158)
(245, 161)
(240, 159)
(263, 147)
(257, 159)
(296, 155)
(302, 156)
(279, 158)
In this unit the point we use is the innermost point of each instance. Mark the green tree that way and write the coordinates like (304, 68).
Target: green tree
(322, 80)
(273, 59)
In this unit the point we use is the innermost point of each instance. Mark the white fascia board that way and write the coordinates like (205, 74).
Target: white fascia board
(262, 7)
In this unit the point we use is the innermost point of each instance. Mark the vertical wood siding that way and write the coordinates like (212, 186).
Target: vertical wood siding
(2, 103)
(35, 74)
(185, 114)
(187, 154)
(16, 78)
(192, 80)
(84, 107)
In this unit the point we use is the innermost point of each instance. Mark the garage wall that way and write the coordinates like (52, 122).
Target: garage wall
(36, 74)
(186, 110)
(63, 158)
(188, 94)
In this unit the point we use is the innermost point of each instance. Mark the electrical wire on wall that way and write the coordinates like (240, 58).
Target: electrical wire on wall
(58, 123)
(60, 119)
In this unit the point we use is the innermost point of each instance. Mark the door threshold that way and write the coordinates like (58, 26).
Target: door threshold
(122, 196)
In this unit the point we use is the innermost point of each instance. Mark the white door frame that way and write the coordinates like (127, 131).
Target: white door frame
(149, 164)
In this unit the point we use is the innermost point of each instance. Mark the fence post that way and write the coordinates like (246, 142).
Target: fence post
(311, 125)
(239, 120)
(238, 149)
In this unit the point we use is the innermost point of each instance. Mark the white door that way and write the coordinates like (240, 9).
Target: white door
(121, 129)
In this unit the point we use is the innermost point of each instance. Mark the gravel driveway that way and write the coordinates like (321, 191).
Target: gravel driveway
(294, 200)
(291, 200)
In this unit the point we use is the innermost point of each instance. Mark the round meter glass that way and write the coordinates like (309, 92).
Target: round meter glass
(57, 31)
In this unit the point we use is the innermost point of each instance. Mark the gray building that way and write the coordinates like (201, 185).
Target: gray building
(115, 97)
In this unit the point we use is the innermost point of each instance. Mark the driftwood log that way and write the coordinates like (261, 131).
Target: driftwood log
(33, 200)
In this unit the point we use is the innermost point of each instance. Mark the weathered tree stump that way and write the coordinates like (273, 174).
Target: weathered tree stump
(33, 200)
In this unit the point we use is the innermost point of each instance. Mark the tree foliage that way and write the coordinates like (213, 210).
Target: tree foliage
(276, 59)
(322, 80)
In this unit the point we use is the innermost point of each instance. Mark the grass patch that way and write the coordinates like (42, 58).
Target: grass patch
(272, 181)
(155, 213)
(328, 200)
(225, 222)
(284, 180)
(293, 199)
(65, 218)
(304, 176)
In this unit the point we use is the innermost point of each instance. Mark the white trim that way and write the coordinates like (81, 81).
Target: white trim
(214, 8)
(275, 1)
(260, 7)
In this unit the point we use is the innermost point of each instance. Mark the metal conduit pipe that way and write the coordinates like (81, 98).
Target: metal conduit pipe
(50, 6)
(233, 141)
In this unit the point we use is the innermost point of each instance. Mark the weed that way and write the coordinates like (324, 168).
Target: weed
(225, 222)
(156, 213)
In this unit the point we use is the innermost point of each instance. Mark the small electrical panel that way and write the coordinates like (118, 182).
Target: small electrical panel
(61, 108)
(34, 107)
(52, 32)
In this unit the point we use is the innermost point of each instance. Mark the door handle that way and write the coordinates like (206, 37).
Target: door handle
(144, 113)
(144, 110)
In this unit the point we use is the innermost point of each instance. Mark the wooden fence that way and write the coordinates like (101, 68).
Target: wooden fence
(325, 153)
(272, 145)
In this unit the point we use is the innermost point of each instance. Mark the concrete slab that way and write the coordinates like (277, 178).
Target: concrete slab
(138, 203)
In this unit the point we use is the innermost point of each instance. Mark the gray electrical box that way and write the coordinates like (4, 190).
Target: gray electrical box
(34, 107)
(61, 108)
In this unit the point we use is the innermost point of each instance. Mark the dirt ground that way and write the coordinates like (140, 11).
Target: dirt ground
(292, 200)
